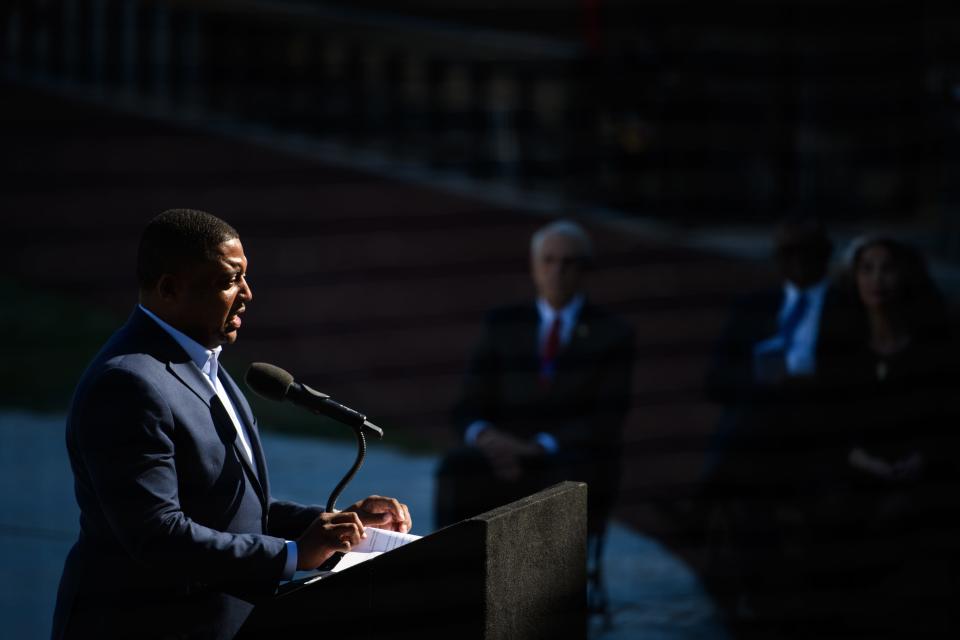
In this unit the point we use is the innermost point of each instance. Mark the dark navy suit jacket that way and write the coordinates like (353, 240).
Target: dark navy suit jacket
(178, 533)
(583, 407)
(790, 417)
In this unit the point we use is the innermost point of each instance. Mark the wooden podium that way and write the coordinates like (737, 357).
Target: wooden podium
(515, 573)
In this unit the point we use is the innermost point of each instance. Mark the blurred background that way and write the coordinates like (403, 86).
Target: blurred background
(386, 163)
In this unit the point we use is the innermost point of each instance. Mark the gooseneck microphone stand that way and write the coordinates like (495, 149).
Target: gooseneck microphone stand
(361, 454)
(332, 500)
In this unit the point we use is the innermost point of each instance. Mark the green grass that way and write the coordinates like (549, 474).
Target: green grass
(48, 340)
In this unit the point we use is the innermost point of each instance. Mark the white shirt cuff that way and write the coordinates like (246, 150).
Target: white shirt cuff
(548, 442)
(474, 430)
(290, 566)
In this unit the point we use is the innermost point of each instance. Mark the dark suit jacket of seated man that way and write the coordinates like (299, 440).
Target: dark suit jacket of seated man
(178, 531)
(766, 370)
(529, 419)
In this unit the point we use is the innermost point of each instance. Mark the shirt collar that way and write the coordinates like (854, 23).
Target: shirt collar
(200, 355)
(814, 293)
(568, 313)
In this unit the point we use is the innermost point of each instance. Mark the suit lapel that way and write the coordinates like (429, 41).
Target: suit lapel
(777, 303)
(530, 345)
(524, 347)
(246, 417)
(188, 373)
(580, 336)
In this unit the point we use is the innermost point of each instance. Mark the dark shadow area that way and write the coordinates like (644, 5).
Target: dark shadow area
(386, 172)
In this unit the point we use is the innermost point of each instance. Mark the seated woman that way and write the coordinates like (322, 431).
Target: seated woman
(895, 416)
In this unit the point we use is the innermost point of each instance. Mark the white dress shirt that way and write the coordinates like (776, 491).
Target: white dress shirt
(800, 351)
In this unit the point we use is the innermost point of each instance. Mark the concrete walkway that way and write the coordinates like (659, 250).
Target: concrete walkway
(654, 596)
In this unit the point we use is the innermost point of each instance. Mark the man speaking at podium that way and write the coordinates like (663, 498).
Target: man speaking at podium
(178, 532)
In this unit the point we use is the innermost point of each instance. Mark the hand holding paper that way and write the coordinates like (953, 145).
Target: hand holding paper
(377, 541)
(380, 540)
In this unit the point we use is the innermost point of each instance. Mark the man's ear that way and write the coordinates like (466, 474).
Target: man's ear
(168, 287)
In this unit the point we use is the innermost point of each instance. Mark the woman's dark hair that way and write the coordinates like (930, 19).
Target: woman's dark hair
(178, 238)
(920, 303)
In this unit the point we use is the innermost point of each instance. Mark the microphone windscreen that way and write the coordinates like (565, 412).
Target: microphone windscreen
(268, 381)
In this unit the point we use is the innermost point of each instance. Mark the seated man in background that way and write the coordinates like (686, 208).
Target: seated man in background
(765, 374)
(545, 394)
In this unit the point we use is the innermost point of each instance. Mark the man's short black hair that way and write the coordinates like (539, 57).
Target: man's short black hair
(178, 238)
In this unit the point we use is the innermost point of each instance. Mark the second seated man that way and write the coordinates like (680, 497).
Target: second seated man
(545, 393)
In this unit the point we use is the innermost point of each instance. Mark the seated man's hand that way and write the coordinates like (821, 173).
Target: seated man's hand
(326, 535)
(382, 513)
(505, 451)
(873, 465)
(910, 467)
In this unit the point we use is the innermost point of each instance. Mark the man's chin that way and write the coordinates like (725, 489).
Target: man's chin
(558, 300)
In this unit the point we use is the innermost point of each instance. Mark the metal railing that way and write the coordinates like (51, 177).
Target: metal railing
(489, 104)
(717, 128)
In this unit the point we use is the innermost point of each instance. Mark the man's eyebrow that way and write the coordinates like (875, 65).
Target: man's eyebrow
(233, 270)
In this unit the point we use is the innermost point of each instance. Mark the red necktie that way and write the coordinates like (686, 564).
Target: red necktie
(551, 347)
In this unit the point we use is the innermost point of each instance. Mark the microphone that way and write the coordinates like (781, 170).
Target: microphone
(273, 383)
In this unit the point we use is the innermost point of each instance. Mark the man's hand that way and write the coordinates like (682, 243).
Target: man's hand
(326, 535)
(505, 451)
(382, 513)
(910, 467)
(870, 464)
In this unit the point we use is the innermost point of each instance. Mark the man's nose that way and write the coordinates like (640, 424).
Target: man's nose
(246, 291)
